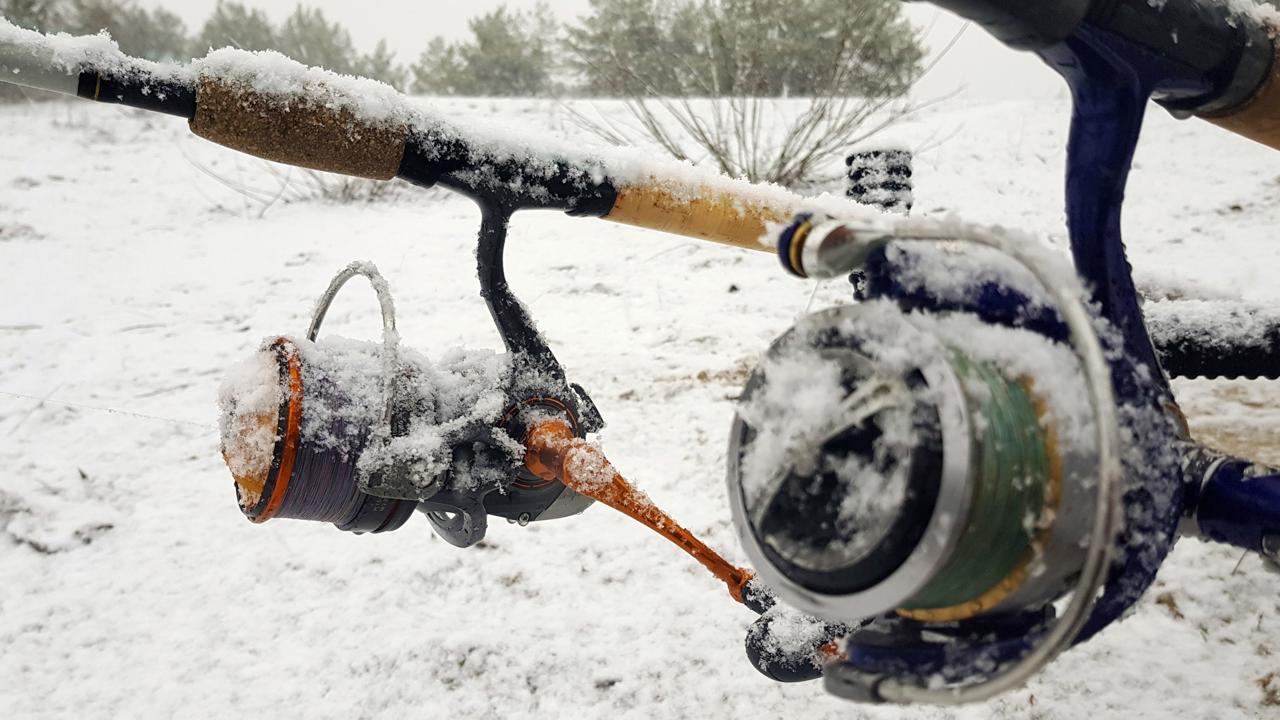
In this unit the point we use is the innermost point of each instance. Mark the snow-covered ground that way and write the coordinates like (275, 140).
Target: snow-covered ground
(131, 586)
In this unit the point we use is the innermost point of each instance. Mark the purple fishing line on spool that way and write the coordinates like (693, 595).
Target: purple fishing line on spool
(331, 427)
(324, 487)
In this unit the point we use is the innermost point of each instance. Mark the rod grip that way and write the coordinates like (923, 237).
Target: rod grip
(296, 131)
(700, 213)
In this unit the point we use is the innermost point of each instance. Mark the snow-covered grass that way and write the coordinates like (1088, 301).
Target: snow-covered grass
(131, 586)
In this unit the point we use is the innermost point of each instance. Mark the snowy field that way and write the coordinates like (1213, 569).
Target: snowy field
(131, 586)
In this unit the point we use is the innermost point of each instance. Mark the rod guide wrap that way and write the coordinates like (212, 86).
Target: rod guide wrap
(296, 131)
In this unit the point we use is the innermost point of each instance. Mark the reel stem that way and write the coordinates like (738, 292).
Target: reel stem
(553, 452)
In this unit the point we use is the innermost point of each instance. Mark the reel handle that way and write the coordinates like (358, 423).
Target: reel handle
(554, 452)
(1233, 501)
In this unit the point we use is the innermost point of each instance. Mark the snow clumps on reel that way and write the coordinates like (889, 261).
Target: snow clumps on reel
(300, 428)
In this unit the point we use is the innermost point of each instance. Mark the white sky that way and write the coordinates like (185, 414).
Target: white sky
(977, 66)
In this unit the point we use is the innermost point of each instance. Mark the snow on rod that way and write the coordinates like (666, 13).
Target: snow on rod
(271, 107)
(267, 106)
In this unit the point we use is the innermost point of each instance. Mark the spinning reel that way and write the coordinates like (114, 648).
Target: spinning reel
(361, 435)
(474, 435)
(931, 495)
(926, 477)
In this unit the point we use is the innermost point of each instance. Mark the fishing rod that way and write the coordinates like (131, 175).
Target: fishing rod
(973, 469)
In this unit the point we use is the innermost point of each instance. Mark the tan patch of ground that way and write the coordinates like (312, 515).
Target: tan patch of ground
(1239, 417)
(1252, 443)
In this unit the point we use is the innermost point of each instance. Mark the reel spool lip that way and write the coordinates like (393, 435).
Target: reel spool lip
(892, 533)
(945, 526)
(288, 432)
(374, 514)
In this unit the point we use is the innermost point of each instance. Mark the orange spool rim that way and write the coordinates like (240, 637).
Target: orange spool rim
(289, 432)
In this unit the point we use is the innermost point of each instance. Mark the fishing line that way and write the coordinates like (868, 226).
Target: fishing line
(114, 411)
(813, 296)
(331, 492)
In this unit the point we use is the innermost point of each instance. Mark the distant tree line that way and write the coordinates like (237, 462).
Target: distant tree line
(625, 48)
(751, 48)
(306, 35)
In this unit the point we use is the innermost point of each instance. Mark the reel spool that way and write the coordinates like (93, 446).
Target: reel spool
(279, 470)
(949, 488)
(360, 435)
(875, 467)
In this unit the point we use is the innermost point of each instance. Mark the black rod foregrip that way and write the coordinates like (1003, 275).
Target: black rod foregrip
(94, 72)
(171, 97)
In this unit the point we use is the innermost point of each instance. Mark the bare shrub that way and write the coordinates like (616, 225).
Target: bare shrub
(760, 139)
(284, 185)
(702, 78)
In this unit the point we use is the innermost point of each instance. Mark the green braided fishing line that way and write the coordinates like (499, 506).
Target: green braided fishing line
(1012, 469)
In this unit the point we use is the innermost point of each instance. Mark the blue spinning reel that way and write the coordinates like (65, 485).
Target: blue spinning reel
(935, 470)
